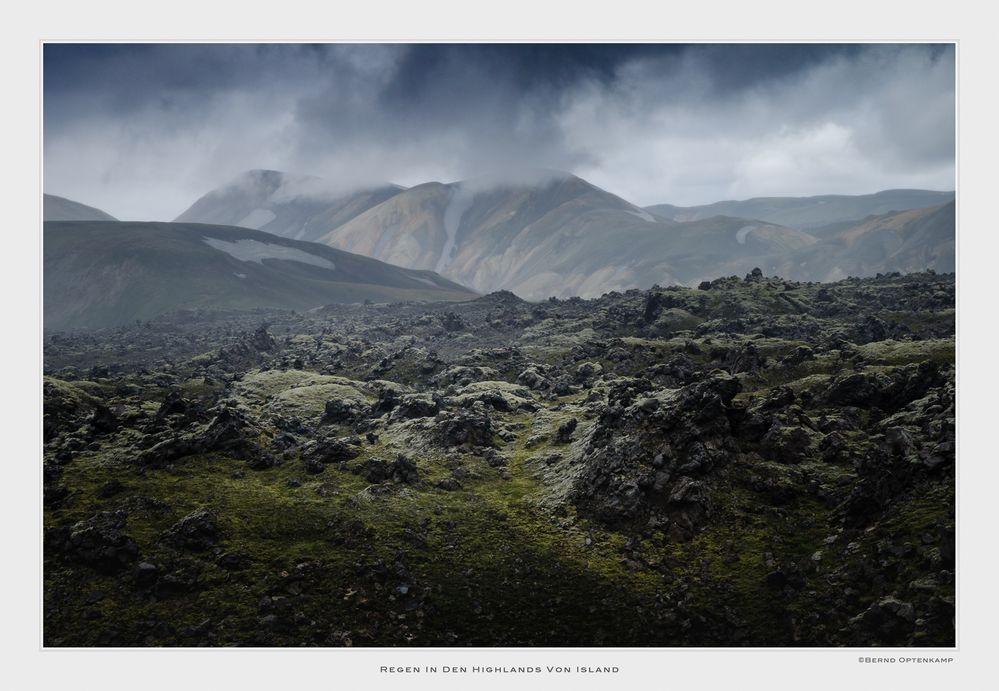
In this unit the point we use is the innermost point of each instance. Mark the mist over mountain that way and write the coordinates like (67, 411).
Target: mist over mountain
(56, 208)
(542, 233)
(300, 207)
(653, 123)
(100, 274)
(807, 212)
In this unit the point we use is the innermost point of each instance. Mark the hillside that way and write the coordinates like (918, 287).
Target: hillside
(61, 209)
(542, 233)
(559, 236)
(295, 206)
(100, 274)
(807, 212)
(905, 241)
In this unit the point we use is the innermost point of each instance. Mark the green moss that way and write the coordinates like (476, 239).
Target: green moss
(939, 351)
(505, 558)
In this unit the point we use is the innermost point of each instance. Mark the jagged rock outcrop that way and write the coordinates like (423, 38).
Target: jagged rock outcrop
(650, 452)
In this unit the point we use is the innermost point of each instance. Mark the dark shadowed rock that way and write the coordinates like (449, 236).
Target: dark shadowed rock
(146, 573)
(100, 542)
(400, 471)
(563, 434)
(313, 466)
(345, 411)
(786, 444)
(329, 450)
(888, 621)
(403, 470)
(110, 488)
(415, 405)
(470, 426)
(534, 378)
(197, 531)
(646, 459)
(102, 420)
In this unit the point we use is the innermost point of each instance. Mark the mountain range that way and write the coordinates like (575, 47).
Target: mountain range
(547, 233)
(807, 213)
(903, 241)
(272, 239)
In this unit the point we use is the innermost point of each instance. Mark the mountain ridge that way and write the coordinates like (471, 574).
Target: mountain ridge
(104, 273)
(543, 233)
(808, 212)
(56, 208)
(300, 207)
(903, 241)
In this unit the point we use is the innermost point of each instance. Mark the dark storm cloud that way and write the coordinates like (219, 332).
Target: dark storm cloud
(142, 130)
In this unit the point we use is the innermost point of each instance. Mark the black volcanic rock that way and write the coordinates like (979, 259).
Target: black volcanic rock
(198, 531)
(642, 458)
(776, 458)
(100, 542)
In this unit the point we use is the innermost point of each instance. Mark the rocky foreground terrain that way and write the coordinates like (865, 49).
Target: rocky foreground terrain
(753, 462)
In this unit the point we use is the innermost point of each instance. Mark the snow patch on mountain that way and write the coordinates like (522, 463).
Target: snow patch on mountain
(740, 235)
(246, 250)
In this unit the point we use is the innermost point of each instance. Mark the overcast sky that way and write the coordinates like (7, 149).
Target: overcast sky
(141, 131)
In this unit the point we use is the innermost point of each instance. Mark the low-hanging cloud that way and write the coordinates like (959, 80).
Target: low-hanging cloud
(142, 131)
